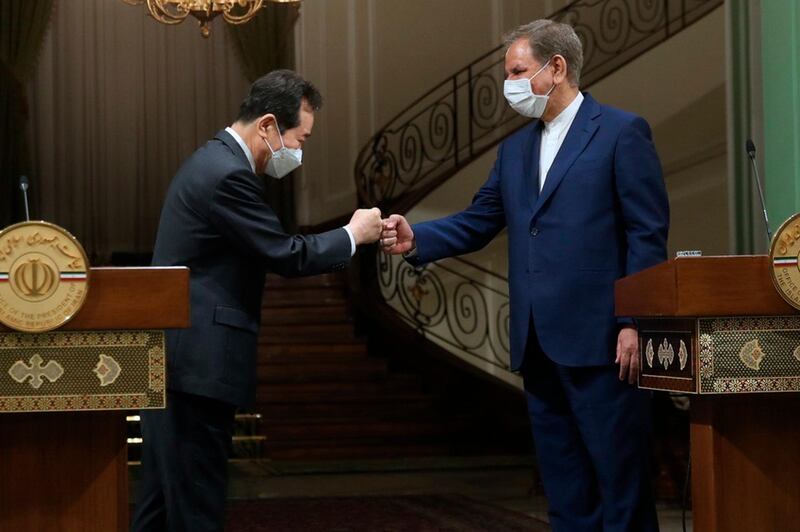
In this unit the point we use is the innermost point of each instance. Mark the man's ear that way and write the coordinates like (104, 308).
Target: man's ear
(560, 68)
(267, 121)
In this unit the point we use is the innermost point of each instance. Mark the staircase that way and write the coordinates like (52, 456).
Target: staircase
(321, 396)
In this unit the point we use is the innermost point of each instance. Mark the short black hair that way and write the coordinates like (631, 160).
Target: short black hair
(281, 93)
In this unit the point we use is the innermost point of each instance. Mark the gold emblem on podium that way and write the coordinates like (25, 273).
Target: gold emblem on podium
(783, 254)
(44, 276)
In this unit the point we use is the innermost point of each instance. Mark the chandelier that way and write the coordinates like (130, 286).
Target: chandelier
(175, 11)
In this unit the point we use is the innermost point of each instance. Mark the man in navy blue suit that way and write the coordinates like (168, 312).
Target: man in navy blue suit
(581, 192)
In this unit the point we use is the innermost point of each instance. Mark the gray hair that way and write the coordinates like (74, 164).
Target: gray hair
(548, 38)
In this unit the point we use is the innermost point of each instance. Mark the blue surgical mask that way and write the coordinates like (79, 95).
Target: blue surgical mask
(283, 160)
(520, 96)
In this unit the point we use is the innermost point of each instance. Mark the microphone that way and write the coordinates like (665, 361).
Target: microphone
(23, 186)
(751, 153)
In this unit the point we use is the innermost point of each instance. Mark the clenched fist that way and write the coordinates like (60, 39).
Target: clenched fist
(397, 236)
(366, 225)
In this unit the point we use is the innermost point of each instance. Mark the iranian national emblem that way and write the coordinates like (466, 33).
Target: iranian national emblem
(35, 278)
(43, 276)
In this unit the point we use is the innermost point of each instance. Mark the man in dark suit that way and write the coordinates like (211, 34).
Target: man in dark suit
(581, 192)
(216, 222)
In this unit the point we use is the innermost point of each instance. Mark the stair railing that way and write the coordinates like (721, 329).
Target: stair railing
(455, 303)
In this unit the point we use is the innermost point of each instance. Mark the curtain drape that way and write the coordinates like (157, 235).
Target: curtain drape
(117, 102)
(263, 44)
(22, 27)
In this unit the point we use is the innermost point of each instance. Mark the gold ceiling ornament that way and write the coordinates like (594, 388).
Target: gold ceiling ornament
(233, 11)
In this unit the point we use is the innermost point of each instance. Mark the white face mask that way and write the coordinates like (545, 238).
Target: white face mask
(520, 96)
(284, 160)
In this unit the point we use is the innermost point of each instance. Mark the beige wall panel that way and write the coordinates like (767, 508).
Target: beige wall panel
(699, 208)
(667, 78)
(693, 147)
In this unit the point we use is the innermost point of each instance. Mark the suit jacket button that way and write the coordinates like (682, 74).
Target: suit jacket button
(534, 231)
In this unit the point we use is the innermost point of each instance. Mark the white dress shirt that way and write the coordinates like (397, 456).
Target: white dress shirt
(240, 141)
(553, 136)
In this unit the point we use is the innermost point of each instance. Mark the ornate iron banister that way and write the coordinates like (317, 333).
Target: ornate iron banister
(466, 114)
(450, 303)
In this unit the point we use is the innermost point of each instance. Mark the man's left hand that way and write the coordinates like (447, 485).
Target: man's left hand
(628, 354)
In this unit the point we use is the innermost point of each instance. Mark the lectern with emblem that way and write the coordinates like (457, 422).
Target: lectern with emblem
(727, 331)
(78, 347)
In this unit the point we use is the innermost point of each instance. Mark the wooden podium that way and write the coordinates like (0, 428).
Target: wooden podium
(63, 443)
(717, 328)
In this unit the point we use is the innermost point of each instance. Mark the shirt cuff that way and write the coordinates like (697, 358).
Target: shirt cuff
(410, 254)
(352, 240)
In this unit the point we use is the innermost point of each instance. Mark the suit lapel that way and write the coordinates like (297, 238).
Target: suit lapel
(530, 165)
(580, 133)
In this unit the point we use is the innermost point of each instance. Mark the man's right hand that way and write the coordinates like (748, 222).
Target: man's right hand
(397, 236)
(366, 225)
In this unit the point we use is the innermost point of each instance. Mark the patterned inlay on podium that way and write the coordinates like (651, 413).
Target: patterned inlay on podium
(87, 370)
(741, 355)
(667, 354)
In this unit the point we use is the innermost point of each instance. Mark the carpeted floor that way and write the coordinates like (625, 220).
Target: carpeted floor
(418, 513)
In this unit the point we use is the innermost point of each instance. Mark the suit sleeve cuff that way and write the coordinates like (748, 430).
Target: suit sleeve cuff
(413, 257)
(352, 240)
